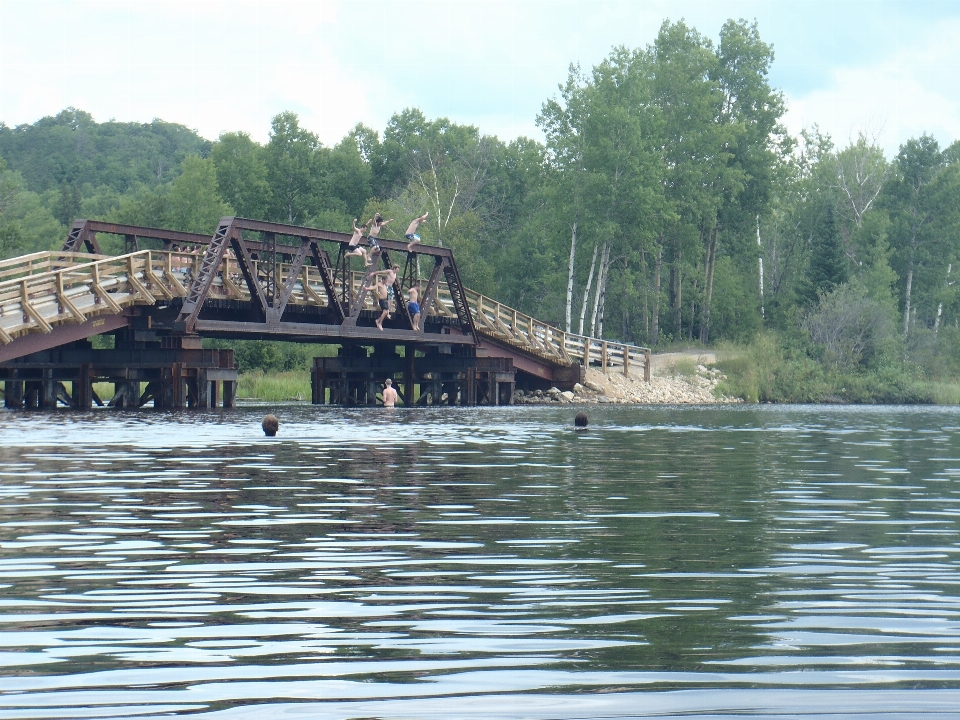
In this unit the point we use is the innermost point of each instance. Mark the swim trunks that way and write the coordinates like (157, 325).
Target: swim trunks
(412, 236)
(384, 304)
(414, 307)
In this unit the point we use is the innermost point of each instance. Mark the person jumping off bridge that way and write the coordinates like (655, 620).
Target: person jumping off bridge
(387, 281)
(355, 239)
(374, 225)
(411, 233)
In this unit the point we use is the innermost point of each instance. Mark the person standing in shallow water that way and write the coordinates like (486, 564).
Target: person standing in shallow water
(389, 394)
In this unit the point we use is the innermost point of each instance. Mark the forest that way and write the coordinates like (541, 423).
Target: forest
(666, 205)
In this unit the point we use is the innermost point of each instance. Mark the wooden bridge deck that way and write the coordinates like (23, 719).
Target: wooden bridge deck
(48, 299)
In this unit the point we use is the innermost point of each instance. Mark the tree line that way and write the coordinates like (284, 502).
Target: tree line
(667, 203)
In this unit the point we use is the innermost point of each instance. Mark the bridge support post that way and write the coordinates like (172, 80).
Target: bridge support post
(410, 353)
(318, 385)
(32, 390)
(229, 393)
(202, 396)
(83, 388)
(48, 392)
(13, 394)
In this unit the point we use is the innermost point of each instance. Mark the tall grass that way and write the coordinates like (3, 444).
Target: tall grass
(292, 385)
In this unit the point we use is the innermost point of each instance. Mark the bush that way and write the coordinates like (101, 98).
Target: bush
(851, 328)
(771, 369)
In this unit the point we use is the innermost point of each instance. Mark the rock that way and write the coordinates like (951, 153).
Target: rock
(596, 387)
(578, 388)
(604, 399)
(567, 395)
(554, 391)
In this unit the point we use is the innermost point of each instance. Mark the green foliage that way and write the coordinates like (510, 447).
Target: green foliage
(772, 369)
(26, 224)
(242, 174)
(72, 148)
(850, 330)
(274, 387)
(191, 202)
(828, 263)
(263, 356)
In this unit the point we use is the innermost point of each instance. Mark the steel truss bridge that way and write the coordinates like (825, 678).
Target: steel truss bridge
(271, 281)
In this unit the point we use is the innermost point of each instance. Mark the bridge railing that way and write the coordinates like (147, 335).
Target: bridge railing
(39, 293)
(41, 290)
(41, 262)
(526, 332)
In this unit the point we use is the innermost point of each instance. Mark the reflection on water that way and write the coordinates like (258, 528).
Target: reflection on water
(397, 564)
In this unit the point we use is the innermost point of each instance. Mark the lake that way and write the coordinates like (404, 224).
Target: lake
(480, 563)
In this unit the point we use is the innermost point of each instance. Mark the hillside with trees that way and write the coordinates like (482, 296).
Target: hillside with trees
(666, 205)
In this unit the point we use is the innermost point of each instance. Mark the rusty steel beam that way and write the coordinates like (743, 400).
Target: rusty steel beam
(84, 232)
(63, 334)
(308, 331)
(273, 298)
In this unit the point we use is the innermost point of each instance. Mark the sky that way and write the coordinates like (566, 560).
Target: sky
(888, 68)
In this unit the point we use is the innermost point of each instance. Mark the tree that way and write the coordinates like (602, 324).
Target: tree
(242, 174)
(68, 205)
(829, 266)
(913, 202)
(293, 170)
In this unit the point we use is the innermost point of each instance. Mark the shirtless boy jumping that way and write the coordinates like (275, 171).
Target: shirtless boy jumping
(374, 226)
(411, 233)
(354, 243)
(389, 277)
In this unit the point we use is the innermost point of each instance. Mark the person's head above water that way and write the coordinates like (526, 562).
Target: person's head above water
(270, 425)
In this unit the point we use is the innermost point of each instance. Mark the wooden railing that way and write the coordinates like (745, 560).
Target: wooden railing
(45, 292)
(42, 290)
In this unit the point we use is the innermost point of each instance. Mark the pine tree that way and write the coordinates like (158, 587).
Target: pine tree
(828, 267)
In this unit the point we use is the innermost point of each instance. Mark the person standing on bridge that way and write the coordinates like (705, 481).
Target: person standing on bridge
(413, 306)
(411, 233)
(373, 229)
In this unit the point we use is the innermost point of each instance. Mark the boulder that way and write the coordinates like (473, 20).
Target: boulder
(567, 395)
(596, 387)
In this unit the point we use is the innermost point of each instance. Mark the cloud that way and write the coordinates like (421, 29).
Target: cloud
(915, 90)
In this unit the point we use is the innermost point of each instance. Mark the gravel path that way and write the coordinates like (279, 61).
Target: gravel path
(665, 387)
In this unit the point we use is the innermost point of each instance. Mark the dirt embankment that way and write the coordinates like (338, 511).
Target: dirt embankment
(676, 378)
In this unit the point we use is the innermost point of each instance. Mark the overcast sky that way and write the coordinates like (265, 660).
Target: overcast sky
(886, 67)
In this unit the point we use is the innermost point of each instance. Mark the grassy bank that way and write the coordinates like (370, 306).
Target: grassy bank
(769, 370)
(274, 387)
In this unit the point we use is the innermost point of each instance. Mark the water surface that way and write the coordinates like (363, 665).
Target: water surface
(480, 562)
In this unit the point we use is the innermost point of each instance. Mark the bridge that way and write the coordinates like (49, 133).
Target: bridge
(252, 279)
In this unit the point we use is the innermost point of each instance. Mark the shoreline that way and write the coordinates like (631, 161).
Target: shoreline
(698, 388)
